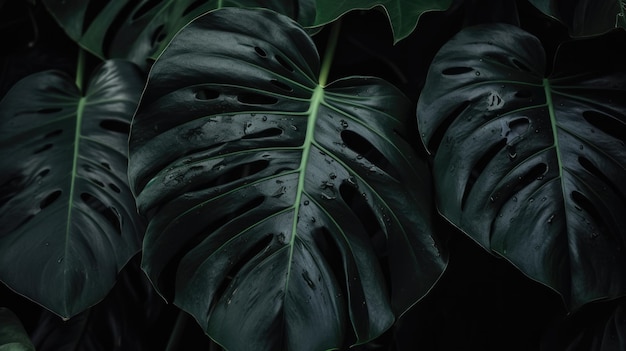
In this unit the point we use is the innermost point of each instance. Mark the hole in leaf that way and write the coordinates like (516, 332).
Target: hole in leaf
(108, 213)
(606, 123)
(523, 94)
(105, 165)
(520, 65)
(260, 51)
(283, 62)
(256, 99)
(49, 110)
(583, 202)
(53, 133)
(50, 199)
(207, 94)
(10, 188)
(97, 182)
(42, 149)
(240, 262)
(115, 25)
(115, 188)
(115, 126)
(235, 173)
(170, 271)
(363, 147)
(535, 172)
(360, 207)
(479, 167)
(591, 168)
(145, 8)
(456, 70)
(193, 6)
(437, 136)
(158, 35)
(265, 133)
(328, 247)
(281, 85)
(91, 12)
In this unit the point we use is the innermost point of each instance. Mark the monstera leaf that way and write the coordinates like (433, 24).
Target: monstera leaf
(278, 204)
(403, 15)
(531, 167)
(606, 334)
(13, 337)
(585, 17)
(139, 30)
(68, 220)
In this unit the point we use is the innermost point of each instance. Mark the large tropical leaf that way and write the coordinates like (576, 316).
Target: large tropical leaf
(585, 17)
(13, 337)
(532, 167)
(68, 220)
(139, 30)
(122, 321)
(403, 15)
(271, 196)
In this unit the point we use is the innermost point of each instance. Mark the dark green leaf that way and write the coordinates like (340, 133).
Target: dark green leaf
(140, 30)
(68, 221)
(272, 197)
(122, 321)
(403, 15)
(13, 337)
(531, 167)
(586, 17)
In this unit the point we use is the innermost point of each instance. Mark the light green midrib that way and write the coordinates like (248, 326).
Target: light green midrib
(316, 100)
(77, 134)
(555, 135)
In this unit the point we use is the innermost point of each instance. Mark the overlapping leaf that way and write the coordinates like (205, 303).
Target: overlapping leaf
(585, 17)
(68, 220)
(139, 30)
(13, 337)
(403, 15)
(274, 200)
(531, 167)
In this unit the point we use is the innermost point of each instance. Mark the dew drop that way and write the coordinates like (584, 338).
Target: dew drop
(359, 157)
(332, 176)
(551, 219)
(328, 197)
(492, 199)
(477, 73)
(47, 243)
(344, 124)
(306, 202)
(60, 260)
(594, 235)
(352, 181)
(264, 118)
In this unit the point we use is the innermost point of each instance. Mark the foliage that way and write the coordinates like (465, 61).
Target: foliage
(270, 180)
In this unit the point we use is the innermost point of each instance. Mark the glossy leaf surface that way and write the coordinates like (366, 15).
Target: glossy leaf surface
(68, 221)
(585, 17)
(277, 203)
(140, 30)
(13, 337)
(403, 15)
(531, 167)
